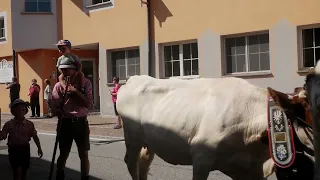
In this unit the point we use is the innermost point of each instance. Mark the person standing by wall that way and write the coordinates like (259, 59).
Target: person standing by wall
(72, 111)
(34, 92)
(47, 97)
(114, 93)
(14, 87)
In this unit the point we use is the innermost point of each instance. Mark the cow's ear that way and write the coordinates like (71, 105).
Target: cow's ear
(281, 99)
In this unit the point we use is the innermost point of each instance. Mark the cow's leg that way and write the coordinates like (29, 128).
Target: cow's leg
(202, 162)
(146, 157)
(132, 160)
(134, 141)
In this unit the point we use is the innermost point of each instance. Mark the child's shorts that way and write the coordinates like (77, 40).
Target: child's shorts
(19, 156)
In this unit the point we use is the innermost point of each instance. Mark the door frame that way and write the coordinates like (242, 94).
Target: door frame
(95, 94)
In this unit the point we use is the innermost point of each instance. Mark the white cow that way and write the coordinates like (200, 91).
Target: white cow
(212, 124)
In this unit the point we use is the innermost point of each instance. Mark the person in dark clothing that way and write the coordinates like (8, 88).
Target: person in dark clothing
(34, 91)
(14, 89)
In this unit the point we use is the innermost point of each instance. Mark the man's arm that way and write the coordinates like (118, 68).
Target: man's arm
(115, 91)
(85, 99)
(9, 86)
(56, 100)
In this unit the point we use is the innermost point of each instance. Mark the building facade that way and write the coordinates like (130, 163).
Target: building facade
(269, 43)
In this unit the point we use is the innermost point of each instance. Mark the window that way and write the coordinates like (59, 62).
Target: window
(247, 53)
(181, 60)
(37, 6)
(99, 1)
(311, 46)
(125, 63)
(2, 28)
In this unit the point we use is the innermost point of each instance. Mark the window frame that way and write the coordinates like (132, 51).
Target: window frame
(301, 67)
(3, 15)
(247, 72)
(126, 61)
(37, 12)
(100, 6)
(180, 43)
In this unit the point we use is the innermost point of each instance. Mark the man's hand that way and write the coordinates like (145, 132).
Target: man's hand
(71, 88)
(40, 153)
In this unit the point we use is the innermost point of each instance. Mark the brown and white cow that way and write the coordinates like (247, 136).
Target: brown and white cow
(211, 124)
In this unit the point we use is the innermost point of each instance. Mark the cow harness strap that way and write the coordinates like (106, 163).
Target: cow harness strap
(280, 134)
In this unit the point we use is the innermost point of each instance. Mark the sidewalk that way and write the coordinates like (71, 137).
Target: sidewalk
(99, 125)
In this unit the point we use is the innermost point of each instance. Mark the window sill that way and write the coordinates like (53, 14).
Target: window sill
(249, 74)
(100, 5)
(3, 40)
(36, 13)
(304, 71)
(184, 77)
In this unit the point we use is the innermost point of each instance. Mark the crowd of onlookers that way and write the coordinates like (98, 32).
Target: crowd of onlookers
(34, 92)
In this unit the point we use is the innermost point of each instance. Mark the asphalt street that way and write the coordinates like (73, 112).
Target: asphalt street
(106, 157)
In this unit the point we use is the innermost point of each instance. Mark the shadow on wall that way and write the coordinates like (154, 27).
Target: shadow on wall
(39, 170)
(160, 11)
(80, 4)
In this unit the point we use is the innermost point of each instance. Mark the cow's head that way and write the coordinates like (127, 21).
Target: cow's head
(297, 110)
(313, 94)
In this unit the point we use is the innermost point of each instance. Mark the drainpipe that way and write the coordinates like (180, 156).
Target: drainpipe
(149, 14)
(14, 62)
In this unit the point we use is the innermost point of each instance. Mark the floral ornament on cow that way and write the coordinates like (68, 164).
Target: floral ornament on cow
(281, 152)
(277, 117)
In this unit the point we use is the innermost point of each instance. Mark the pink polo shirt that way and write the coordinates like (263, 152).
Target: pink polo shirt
(115, 90)
(71, 107)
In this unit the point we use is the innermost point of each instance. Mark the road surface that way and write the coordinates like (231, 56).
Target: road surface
(106, 157)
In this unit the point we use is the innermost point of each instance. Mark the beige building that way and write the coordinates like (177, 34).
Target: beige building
(270, 43)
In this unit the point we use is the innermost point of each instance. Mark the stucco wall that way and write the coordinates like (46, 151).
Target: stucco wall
(33, 30)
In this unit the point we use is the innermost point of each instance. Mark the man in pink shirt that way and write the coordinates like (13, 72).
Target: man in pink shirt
(72, 111)
(114, 93)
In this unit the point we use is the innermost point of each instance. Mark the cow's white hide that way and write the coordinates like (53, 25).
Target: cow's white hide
(211, 120)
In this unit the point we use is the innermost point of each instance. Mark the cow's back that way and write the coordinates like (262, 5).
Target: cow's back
(175, 103)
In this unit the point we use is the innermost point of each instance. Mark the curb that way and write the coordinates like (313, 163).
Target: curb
(93, 137)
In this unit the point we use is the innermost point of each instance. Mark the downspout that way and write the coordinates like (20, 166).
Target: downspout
(149, 14)
(14, 63)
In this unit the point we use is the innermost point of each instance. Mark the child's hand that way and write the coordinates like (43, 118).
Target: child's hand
(40, 153)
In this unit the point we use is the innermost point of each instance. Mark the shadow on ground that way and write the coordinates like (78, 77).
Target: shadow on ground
(99, 124)
(106, 141)
(39, 170)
